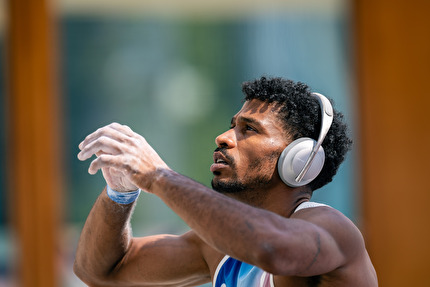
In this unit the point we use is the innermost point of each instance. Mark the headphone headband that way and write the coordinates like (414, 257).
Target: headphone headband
(326, 121)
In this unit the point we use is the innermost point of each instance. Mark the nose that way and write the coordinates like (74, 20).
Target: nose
(226, 139)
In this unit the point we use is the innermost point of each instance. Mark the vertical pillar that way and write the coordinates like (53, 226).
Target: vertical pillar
(34, 171)
(393, 61)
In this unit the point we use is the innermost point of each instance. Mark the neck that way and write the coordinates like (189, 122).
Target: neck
(282, 200)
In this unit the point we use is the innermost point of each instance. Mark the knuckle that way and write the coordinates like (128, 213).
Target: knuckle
(103, 140)
(104, 158)
(139, 140)
(132, 142)
(116, 125)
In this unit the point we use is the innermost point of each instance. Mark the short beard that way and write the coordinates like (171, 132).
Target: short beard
(234, 187)
(228, 187)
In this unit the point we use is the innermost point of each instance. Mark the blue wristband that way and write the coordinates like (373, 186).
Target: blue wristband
(122, 197)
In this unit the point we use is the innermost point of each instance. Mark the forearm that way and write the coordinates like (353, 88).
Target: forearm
(104, 240)
(224, 223)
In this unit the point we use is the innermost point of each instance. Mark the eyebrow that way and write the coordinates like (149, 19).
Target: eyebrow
(252, 121)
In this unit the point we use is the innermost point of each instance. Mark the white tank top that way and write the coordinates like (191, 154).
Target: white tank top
(308, 204)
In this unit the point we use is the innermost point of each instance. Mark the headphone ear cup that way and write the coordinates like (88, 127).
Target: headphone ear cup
(293, 159)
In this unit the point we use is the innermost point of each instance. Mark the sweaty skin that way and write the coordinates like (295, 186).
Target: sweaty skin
(312, 247)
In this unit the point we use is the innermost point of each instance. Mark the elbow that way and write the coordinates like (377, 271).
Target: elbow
(82, 273)
(79, 271)
(89, 278)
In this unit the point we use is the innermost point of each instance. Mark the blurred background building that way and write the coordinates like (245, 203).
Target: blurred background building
(172, 71)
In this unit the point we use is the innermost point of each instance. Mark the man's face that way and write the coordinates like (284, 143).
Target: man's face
(247, 154)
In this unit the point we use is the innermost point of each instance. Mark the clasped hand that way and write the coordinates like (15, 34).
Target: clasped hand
(126, 159)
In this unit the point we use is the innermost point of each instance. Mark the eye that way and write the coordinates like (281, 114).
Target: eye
(250, 128)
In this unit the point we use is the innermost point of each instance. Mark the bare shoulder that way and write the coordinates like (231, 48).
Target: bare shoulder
(357, 268)
(341, 228)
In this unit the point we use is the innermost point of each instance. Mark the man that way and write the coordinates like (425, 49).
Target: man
(258, 228)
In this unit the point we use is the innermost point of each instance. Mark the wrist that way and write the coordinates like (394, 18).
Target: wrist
(122, 197)
(152, 180)
(161, 179)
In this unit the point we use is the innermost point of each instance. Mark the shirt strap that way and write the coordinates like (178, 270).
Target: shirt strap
(308, 204)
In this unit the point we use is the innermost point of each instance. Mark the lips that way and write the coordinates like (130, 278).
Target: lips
(219, 158)
(220, 161)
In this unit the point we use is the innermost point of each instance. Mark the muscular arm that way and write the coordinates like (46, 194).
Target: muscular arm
(104, 240)
(279, 245)
(108, 255)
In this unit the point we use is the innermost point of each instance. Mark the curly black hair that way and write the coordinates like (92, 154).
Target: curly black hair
(301, 115)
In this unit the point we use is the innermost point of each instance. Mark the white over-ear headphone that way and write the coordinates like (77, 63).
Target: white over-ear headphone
(303, 159)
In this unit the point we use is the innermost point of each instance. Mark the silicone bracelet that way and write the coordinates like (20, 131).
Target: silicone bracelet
(122, 197)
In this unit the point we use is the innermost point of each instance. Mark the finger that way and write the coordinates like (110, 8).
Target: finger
(102, 145)
(105, 160)
(108, 131)
(125, 134)
(123, 129)
(89, 138)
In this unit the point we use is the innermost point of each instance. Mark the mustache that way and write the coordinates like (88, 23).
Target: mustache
(223, 150)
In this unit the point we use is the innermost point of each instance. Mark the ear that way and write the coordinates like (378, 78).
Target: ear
(293, 159)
